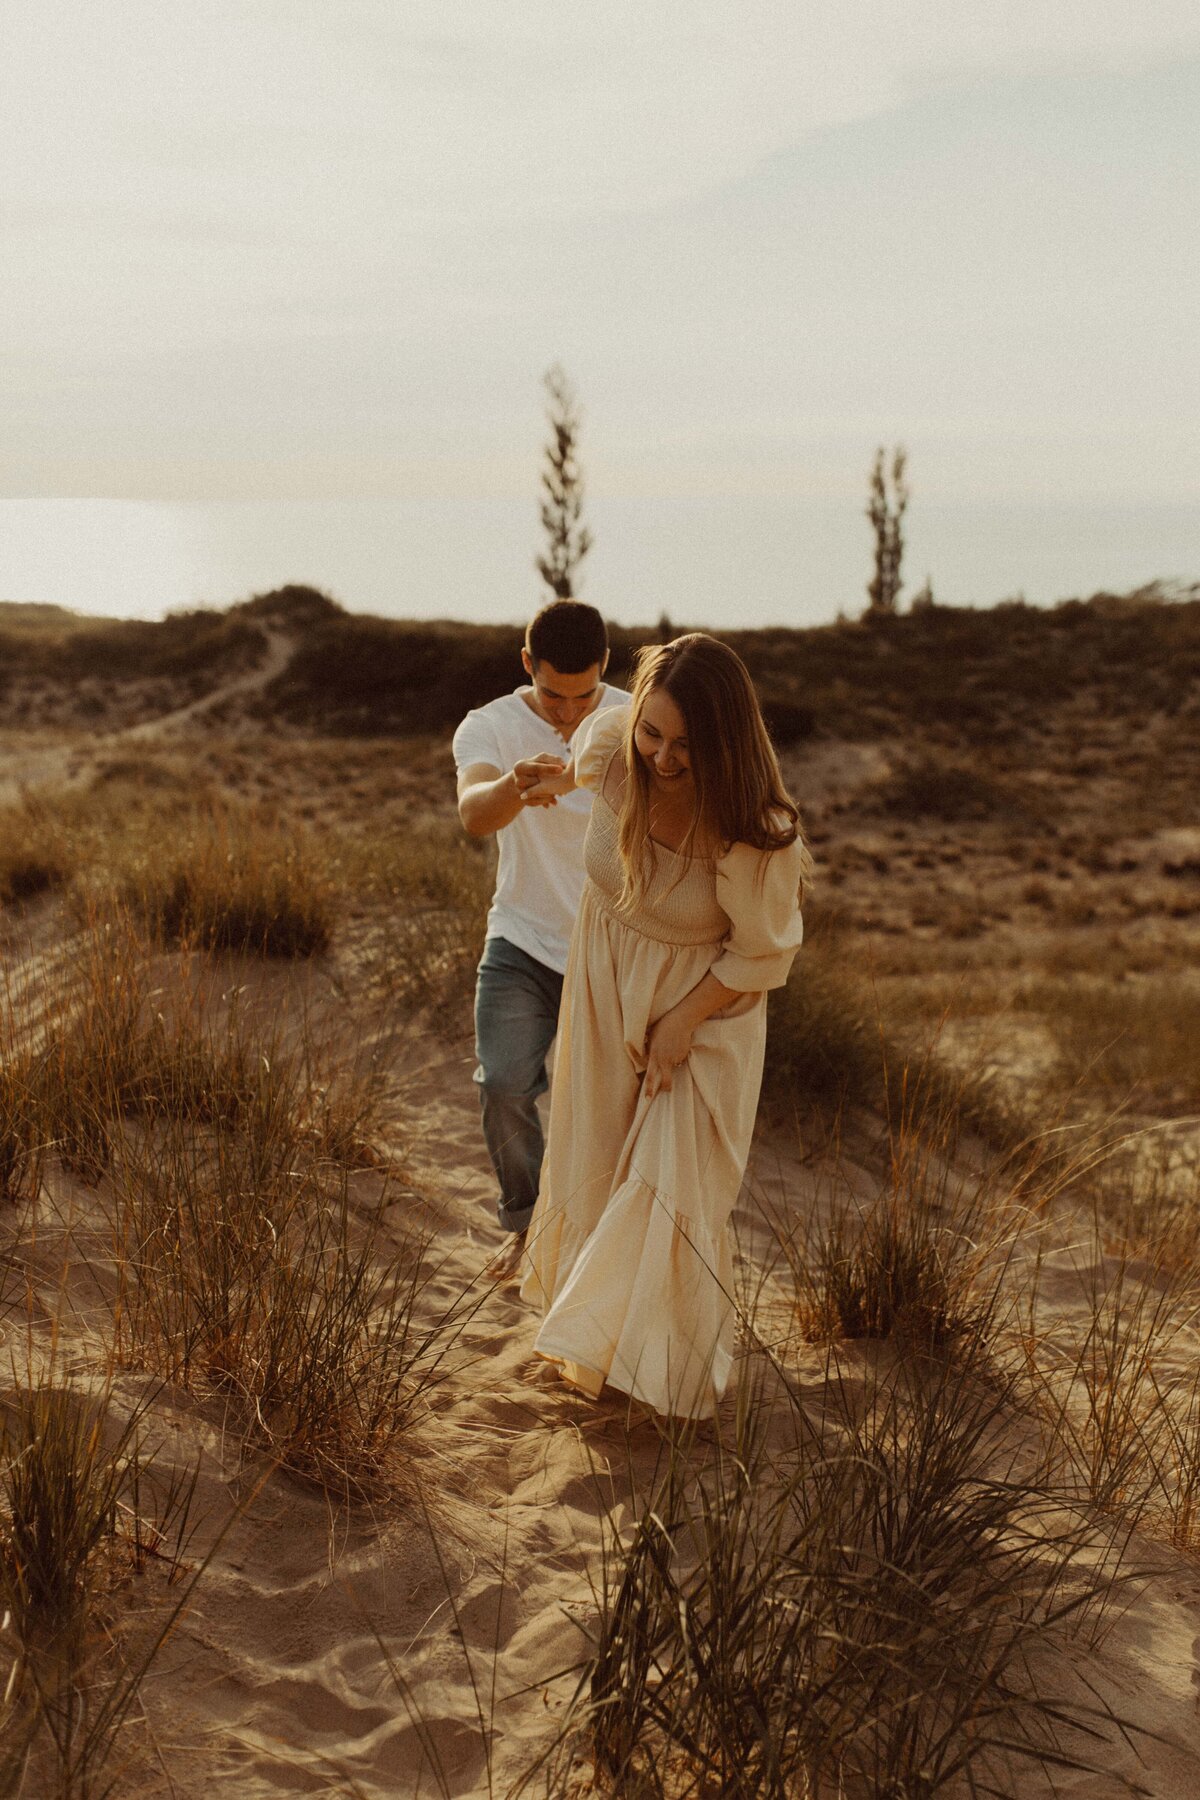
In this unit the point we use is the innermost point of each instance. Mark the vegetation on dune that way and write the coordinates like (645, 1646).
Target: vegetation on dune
(87, 1504)
(244, 1261)
(824, 1048)
(967, 1372)
(41, 616)
(908, 1264)
(32, 853)
(251, 1271)
(955, 790)
(196, 647)
(429, 890)
(234, 883)
(953, 672)
(837, 1045)
(849, 1595)
(193, 867)
(292, 605)
(1127, 1039)
(375, 677)
(946, 671)
(105, 1042)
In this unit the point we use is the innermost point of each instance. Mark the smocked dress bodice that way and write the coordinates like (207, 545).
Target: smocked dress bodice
(680, 903)
(743, 903)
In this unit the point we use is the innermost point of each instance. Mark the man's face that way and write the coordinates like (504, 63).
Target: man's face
(563, 699)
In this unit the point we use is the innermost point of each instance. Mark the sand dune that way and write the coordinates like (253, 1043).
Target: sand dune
(422, 1644)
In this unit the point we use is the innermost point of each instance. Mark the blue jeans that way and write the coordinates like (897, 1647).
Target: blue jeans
(516, 1016)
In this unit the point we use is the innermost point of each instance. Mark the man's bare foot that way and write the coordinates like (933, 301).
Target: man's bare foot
(506, 1264)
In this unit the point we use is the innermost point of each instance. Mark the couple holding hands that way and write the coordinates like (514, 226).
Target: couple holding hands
(648, 894)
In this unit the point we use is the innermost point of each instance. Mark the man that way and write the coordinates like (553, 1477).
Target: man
(500, 751)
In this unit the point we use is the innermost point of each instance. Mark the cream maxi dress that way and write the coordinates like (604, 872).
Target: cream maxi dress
(628, 1247)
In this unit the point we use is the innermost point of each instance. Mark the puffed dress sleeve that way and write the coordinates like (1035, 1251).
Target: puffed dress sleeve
(760, 893)
(594, 743)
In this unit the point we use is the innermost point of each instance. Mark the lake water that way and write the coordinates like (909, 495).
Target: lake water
(720, 562)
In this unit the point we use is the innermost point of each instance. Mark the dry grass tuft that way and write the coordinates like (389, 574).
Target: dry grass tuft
(924, 1258)
(429, 889)
(1116, 1389)
(33, 854)
(122, 1038)
(235, 882)
(891, 1271)
(113, 1045)
(194, 867)
(248, 1269)
(1120, 1037)
(82, 1508)
(849, 1601)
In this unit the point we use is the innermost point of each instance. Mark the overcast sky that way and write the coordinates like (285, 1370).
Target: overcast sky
(319, 249)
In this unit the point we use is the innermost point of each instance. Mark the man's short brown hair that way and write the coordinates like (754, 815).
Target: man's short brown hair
(569, 635)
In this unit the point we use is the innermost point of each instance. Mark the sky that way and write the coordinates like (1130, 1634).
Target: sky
(280, 279)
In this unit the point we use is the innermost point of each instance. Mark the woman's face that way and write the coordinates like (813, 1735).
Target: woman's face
(660, 738)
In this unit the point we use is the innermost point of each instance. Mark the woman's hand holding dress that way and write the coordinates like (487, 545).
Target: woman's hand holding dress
(670, 1037)
(667, 1046)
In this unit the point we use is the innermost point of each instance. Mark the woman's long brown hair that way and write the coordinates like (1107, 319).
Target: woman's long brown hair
(740, 796)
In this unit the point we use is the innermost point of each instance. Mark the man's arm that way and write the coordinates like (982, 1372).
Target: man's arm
(489, 800)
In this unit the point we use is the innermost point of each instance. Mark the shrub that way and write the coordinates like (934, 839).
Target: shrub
(293, 604)
(788, 723)
(954, 792)
(376, 676)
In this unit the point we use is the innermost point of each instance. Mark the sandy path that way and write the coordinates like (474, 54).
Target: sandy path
(282, 1667)
(280, 644)
(62, 765)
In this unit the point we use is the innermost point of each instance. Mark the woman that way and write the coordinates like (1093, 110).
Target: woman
(690, 914)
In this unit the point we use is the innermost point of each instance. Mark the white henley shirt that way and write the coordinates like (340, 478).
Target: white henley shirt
(539, 882)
